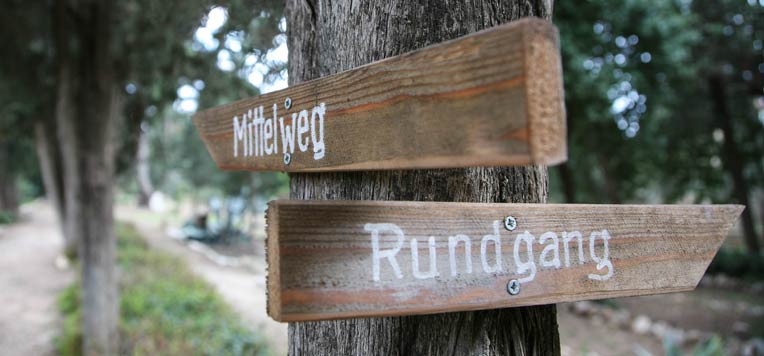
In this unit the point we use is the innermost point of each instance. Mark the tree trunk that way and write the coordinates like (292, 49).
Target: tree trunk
(86, 110)
(142, 167)
(568, 182)
(761, 220)
(51, 168)
(610, 184)
(328, 37)
(732, 160)
(9, 194)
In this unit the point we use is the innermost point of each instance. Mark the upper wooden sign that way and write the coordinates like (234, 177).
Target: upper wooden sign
(340, 259)
(487, 99)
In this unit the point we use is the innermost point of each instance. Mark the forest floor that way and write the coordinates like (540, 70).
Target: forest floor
(30, 282)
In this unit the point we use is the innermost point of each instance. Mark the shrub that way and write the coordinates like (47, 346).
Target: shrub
(738, 263)
(7, 217)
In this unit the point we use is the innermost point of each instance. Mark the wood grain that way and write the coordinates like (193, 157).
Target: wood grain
(320, 255)
(381, 29)
(493, 98)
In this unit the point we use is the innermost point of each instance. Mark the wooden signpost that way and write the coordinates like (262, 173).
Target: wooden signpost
(466, 102)
(340, 259)
(493, 98)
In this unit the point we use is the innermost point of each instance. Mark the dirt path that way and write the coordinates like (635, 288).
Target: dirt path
(30, 282)
(243, 288)
(726, 312)
(590, 337)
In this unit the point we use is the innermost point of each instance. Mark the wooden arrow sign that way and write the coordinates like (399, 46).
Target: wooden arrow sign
(342, 259)
(487, 99)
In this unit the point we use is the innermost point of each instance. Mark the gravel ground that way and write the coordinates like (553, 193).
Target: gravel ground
(30, 282)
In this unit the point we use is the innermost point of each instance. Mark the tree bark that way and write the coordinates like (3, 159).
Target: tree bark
(732, 160)
(610, 183)
(9, 194)
(52, 171)
(568, 182)
(86, 110)
(761, 218)
(143, 169)
(328, 37)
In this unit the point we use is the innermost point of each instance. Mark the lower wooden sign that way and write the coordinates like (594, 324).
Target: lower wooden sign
(342, 259)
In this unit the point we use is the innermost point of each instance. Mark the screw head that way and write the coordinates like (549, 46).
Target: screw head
(513, 287)
(288, 103)
(510, 223)
(287, 158)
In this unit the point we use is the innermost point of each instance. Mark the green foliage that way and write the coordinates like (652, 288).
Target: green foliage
(7, 217)
(158, 54)
(659, 55)
(181, 166)
(164, 309)
(179, 162)
(631, 52)
(731, 31)
(70, 340)
(738, 263)
(30, 186)
(155, 53)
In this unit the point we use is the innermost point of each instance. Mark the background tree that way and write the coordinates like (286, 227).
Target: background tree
(616, 59)
(661, 103)
(26, 90)
(211, 71)
(111, 59)
(163, 61)
(17, 159)
(77, 69)
(730, 68)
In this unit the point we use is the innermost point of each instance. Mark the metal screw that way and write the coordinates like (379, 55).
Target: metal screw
(513, 287)
(510, 223)
(287, 158)
(288, 103)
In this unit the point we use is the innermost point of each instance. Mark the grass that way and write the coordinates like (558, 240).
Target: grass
(164, 309)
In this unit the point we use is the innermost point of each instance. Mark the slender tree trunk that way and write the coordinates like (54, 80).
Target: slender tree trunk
(611, 184)
(9, 194)
(143, 169)
(568, 182)
(567, 178)
(328, 37)
(761, 220)
(732, 161)
(86, 111)
(51, 167)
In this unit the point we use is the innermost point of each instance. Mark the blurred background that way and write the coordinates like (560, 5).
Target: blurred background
(665, 103)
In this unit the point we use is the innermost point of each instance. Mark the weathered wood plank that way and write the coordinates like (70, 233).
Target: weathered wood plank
(323, 263)
(491, 98)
